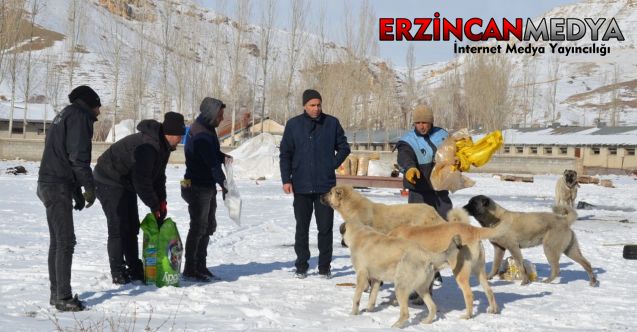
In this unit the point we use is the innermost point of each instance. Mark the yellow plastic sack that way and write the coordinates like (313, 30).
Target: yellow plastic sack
(477, 154)
(509, 270)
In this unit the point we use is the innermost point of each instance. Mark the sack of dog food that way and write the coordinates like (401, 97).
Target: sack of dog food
(162, 252)
(445, 174)
(233, 199)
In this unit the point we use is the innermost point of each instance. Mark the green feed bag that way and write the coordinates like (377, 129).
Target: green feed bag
(162, 252)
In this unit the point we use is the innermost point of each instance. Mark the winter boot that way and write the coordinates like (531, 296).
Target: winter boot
(190, 271)
(70, 304)
(203, 269)
(120, 277)
(135, 273)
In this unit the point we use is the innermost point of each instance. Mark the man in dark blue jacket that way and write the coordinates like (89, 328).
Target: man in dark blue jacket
(64, 169)
(135, 166)
(203, 170)
(308, 162)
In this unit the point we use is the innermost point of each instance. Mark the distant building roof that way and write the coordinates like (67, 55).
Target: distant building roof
(570, 136)
(378, 136)
(35, 113)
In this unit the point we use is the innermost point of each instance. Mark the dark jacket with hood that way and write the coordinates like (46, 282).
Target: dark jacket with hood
(308, 159)
(137, 162)
(416, 150)
(67, 150)
(203, 152)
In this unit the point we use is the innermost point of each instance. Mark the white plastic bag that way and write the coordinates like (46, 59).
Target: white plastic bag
(233, 199)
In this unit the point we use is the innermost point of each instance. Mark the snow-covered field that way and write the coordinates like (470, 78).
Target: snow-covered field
(256, 261)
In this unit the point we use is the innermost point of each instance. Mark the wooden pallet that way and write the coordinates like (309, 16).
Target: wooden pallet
(370, 181)
(515, 178)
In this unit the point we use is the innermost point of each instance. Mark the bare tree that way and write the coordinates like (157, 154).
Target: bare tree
(267, 24)
(15, 16)
(28, 73)
(53, 84)
(615, 97)
(298, 10)
(76, 22)
(167, 42)
(10, 21)
(554, 69)
(237, 59)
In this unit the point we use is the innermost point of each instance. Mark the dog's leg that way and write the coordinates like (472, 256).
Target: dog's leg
(481, 274)
(429, 301)
(373, 294)
(462, 278)
(574, 253)
(361, 283)
(402, 295)
(553, 256)
(519, 260)
(498, 255)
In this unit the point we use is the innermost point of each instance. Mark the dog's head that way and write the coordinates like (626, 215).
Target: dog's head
(570, 177)
(335, 197)
(342, 230)
(482, 208)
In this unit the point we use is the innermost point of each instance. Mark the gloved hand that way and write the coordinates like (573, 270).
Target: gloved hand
(412, 174)
(224, 191)
(89, 196)
(79, 199)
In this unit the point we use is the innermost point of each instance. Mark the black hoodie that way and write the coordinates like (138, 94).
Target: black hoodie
(67, 150)
(137, 162)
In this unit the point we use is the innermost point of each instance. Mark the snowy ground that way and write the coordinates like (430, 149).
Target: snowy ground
(256, 263)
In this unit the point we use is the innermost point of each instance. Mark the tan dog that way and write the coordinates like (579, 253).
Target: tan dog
(529, 229)
(377, 257)
(470, 259)
(566, 188)
(353, 206)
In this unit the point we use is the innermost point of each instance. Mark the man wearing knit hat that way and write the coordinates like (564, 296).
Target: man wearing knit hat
(312, 147)
(203, 172)
(66, 168)
(416, 151)
(135, 166)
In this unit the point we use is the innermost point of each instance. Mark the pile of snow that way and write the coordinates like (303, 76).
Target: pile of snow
(257, 158)
(122, 129)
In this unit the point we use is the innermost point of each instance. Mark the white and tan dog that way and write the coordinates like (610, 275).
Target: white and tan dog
(377, 257)
(470, 259)
(353, 206)
(566, 188)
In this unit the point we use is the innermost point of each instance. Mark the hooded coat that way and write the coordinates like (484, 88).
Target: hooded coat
(203, 151)
(67, 150)
(138, 162)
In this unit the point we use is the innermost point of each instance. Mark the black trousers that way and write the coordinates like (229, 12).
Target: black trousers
(57, 199)
(438, 199)
(120, 208)
(202, 206)
(304, 205)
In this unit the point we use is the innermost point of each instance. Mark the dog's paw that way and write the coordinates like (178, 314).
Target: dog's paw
(354, 313)
(465, 316)
(493, 310)
(594, 282)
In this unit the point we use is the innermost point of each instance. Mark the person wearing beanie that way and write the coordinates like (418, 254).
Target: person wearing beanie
(131, 167)
(203, 172)
(416, 151)
(65, 168)
(312, 148)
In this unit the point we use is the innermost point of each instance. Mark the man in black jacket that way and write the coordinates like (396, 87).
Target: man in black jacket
(308, 163)
(203, 171)
(64, 169)
(135, 166)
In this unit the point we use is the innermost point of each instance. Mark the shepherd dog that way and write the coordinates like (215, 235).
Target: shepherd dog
(529, 229)
(566, 188)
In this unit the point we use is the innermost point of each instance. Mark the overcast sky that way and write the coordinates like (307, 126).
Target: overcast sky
(425, 52)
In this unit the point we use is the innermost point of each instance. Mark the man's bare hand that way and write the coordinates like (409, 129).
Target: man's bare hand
(287, 188)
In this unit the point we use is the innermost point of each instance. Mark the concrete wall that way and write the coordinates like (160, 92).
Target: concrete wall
(589, 156)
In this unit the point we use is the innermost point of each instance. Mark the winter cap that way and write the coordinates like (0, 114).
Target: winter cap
(423, 113)
(310, 94)
(87, 95)
(174, 124)
(210, 108)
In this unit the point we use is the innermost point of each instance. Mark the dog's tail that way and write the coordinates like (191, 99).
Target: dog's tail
(487, 233)
(458, 215)
(567, 212)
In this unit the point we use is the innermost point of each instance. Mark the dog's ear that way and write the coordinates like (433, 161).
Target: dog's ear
(339, 192)
(342, 229)
(565, 171)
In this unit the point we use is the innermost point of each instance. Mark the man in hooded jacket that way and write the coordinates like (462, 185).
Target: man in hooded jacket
(203, 171)
(64, 169)
(135, 166)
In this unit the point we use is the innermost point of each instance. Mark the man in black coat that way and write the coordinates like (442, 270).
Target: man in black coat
(64, 169)
(308, 162)
(203, 172)
(135, 166)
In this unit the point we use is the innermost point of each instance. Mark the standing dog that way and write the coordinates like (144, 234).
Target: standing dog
(353, 206)
(377, 257)
(470, 259)
(566, 188)
(530, 229)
